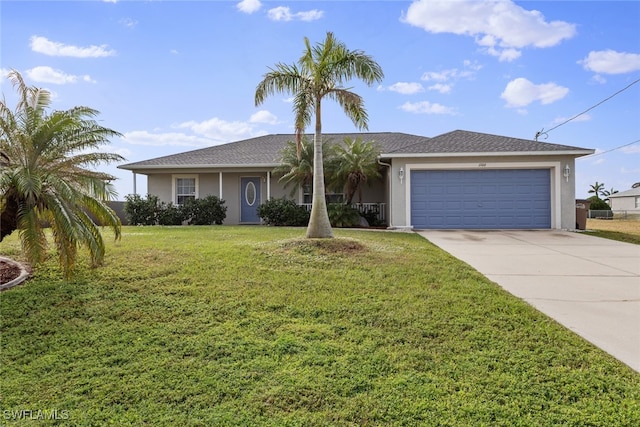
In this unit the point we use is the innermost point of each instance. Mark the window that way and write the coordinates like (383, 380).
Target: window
(637, 202)
(185, 189)
(330, 196)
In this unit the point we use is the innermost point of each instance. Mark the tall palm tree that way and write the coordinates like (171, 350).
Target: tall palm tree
(320, 72)
(354, 163)
(45, 177)
(596, 189)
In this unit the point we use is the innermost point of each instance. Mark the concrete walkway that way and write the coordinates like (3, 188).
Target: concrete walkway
(588, 284)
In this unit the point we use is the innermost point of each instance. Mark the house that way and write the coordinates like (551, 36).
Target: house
(628, 201)
(457, 180)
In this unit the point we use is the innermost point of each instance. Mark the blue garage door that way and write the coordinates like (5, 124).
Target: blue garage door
(481, 199)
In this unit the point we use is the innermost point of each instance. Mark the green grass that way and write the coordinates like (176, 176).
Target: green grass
(615, 235)
(203, 326)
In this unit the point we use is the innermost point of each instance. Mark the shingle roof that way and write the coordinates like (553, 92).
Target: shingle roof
(265, 150)
(627, 193)
(461, 141)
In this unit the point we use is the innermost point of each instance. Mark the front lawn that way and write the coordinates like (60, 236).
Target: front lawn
(624, 230)
(204, 326)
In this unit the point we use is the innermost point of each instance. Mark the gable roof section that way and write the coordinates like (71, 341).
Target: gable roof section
(465, 143)
(264, 151)
(628, 193)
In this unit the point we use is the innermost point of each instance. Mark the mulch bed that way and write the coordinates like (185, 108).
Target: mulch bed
(8, 272)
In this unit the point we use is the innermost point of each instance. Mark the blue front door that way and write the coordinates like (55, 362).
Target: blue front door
(249, 199)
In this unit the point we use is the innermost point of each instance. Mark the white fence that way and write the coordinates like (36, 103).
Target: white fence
(380, 209)
(605, 214)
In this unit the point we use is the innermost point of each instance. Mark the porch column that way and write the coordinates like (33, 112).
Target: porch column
(268, 185)
(220, 182)
(135, 177)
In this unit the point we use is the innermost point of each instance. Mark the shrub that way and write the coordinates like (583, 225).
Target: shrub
(206, 211)
(170, 214)
(597, 204)
(341, 215)
(141, 211)
(283, 211)
(371, 215)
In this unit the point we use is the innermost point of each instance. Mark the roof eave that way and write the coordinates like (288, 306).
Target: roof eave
(201, 166)
(577, 153)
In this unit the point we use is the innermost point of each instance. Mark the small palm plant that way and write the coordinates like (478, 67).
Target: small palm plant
(354, 163)
(46, 177)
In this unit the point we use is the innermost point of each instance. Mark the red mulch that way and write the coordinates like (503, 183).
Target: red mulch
(8, 272)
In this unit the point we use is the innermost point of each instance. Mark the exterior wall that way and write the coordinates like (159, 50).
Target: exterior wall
(208, 183)
(160, 185)
(627, 203)
(562, 190)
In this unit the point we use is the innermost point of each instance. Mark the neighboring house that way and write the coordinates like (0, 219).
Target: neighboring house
(626, 201)
(458, 180)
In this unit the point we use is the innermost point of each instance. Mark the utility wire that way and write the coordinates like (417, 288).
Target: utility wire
(546, 132)
(608, 151)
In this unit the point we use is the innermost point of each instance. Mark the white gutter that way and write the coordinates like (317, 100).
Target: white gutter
(490, 154)
(202, 166)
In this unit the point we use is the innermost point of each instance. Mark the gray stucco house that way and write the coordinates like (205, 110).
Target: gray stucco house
(457, 180)
(628, 201)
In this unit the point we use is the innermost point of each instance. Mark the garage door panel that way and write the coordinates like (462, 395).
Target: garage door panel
(500, 198)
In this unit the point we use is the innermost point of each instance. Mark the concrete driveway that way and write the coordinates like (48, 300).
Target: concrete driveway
(588, 284)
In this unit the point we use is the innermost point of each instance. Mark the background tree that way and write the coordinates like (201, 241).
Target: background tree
(320, 72)
(607, 193)
(45, 177)
(596, 189)
(353, 164)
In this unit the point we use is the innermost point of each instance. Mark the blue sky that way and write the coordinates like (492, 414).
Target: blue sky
(173, 76)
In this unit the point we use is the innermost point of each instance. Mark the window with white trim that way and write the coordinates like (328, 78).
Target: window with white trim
(185, 188)
(637, 202)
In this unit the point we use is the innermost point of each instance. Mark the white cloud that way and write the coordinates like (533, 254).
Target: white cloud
(447, 78)
(165, 139)
(631, 149)
(581, 118)
(264, 116)
(43, 74)
(440, 87)
(128, 22)
(611, 62)
(521, 92)
(124, 152)
(406, 88)
(47, 47)
(283, 13)
(426, 107)
(220, 130)
(439, 76)
(501, 28)
(249, 6)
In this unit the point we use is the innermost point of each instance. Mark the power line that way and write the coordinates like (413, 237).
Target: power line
(546, 132)
(608, 151)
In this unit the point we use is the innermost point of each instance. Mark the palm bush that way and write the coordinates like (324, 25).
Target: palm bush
(48, 177)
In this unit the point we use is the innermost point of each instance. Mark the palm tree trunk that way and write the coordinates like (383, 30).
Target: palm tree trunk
(319, 224)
